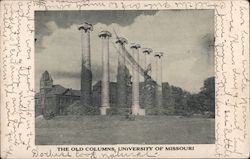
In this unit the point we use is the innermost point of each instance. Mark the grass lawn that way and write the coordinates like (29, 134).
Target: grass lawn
(74, 130)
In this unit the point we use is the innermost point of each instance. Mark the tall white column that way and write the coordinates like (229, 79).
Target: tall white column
(85, 38)
(105, 104)
(148, 58)
(147, 86)
(158, 58)
(86, 74)
(135, 86)
(121, 58)
(121, 76)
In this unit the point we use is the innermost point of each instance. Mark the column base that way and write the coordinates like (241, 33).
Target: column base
(104, 110)
(138, 111)
(142, 112)
(135, 109)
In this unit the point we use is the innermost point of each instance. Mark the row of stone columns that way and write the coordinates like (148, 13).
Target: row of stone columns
(86, 74)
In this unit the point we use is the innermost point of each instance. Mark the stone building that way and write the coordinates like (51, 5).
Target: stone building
(53, 99)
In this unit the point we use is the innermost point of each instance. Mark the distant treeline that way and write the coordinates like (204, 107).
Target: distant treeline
(177, 101)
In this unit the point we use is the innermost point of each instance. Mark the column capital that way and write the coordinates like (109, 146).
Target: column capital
(121, 40)
(147, 51)
(158, 54)
(86, 27)
(135, 45)
(104, 34)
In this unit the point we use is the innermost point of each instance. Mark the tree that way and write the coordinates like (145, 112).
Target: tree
(204, 101)
(208, 92)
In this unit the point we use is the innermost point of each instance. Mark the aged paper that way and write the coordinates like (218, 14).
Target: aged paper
(61, 57)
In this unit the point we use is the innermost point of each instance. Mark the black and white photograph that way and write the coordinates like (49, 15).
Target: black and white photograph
(124, 79)
(105, 77)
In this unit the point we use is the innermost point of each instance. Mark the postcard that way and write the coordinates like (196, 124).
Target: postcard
(124, 79)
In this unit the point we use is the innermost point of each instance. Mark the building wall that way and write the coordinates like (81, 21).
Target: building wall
(50, 107)
(62, 102)
(38, 108)
(54, 104)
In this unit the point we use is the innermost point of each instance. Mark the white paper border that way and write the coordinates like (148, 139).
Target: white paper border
(231, 66)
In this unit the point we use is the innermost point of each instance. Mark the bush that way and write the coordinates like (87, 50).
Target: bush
(78, 109)
(112, 111)
(49, 115)
(90, 110)
(130, 117)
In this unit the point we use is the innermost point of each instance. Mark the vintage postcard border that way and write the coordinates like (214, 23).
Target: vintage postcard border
(231, 74)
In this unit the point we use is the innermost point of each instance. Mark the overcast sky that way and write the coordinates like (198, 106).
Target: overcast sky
(185, 37)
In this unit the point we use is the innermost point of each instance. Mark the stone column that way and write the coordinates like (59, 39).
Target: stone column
(121, 76)
(121, 58)
(158, 58)
(148, 52)
(135, 86)
(105, 35)
(86, 74)
(149, 86)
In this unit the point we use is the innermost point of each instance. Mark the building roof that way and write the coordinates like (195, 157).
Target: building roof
(60, 90)
(57, 89)
(99, 83)
(77, 92)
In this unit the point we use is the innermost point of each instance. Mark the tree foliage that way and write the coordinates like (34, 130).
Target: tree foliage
(204, 101)
(185, 103)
